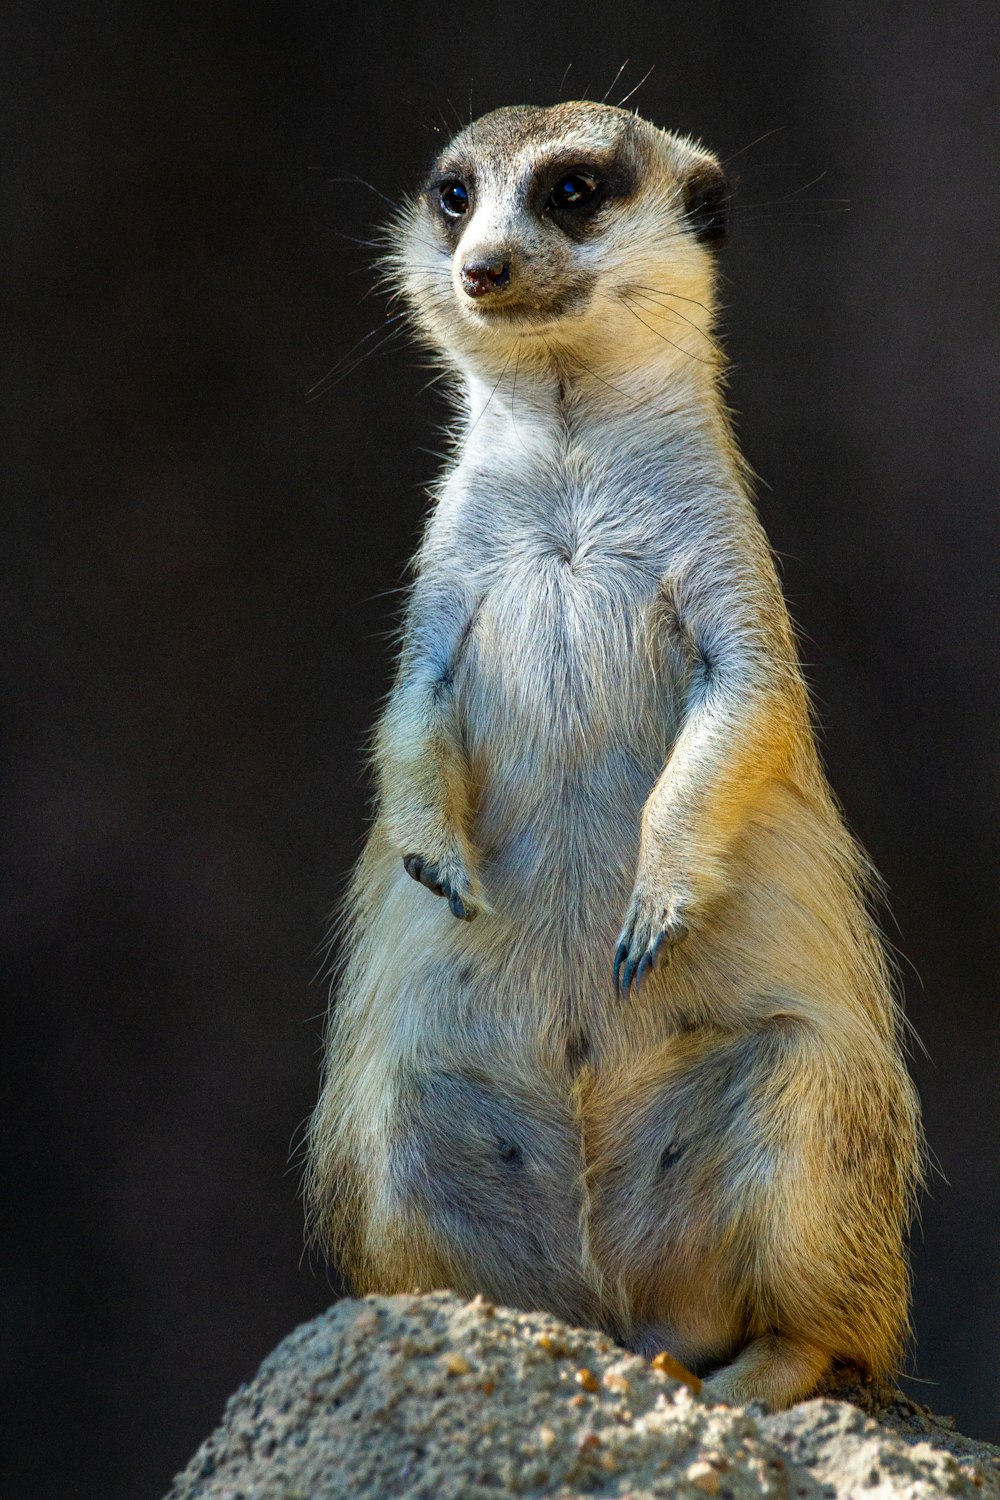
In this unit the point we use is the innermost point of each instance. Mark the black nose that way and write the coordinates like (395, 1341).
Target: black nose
(480, 276)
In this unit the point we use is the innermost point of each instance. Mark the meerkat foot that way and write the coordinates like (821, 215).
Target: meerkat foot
(446, 883)
(646, 941)
(776, 1369)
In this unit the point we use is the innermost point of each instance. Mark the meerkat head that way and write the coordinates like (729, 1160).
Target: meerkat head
(577, 228)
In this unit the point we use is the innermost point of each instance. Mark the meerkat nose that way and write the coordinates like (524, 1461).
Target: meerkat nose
(481, 276)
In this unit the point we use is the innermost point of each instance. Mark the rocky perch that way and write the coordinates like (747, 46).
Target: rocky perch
(429, 1396)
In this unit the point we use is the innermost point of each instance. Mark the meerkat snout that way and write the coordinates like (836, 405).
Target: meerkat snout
(481, 276)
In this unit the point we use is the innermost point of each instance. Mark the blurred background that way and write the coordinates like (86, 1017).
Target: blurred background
(200, 567)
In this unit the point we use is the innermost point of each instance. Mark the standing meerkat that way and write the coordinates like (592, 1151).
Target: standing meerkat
(651, 1077)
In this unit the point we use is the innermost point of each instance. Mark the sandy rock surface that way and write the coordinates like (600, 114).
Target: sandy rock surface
(431, 1397)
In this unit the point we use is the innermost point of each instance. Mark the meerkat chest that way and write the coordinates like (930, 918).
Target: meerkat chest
(573, 653)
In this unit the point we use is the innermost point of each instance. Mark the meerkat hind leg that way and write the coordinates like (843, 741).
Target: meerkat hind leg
(778, 1369)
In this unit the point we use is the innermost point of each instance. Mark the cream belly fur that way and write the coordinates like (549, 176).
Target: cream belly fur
(599, 718)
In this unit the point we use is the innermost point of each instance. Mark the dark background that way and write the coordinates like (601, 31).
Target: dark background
(198, 579)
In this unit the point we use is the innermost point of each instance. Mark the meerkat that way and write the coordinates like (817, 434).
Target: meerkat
(614, 1034)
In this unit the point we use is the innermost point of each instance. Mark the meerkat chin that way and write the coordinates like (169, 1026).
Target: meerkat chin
(614, 1033)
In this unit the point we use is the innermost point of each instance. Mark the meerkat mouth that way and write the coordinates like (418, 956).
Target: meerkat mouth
(521, 320)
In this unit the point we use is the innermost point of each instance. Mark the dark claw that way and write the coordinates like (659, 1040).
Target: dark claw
(620, 953)
(428, 875)
(642, 957)
(628, 976)
(418, 869)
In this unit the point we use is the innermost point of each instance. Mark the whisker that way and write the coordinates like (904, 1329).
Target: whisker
(680, 349)
(594, 376)
(352, 239)
(441, 375)
(360, 182)
(775, 130)
(458, 118)
(490, 396)
(675, 312)
(393, 238)
(350, 361)
(638, 86)
(783, 223)
(794, 193)
(334, 379)
(607, 91)
(662, 290)
(816, 205)
(513, 391)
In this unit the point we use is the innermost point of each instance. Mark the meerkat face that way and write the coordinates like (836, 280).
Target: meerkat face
(558, 228)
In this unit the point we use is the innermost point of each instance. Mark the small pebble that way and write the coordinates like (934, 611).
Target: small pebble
(704, 1478)
(588, 1380)
(673, 1367)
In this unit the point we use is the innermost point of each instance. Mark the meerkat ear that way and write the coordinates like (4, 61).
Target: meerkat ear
(706, 202)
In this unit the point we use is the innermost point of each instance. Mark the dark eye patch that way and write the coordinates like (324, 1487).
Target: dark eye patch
(570, 193)
(449, 191)
(574, 191)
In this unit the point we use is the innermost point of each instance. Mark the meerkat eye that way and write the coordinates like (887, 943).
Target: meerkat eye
(454, 199)
(572, 191)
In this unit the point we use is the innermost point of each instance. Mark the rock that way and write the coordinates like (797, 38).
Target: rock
(437, 1399)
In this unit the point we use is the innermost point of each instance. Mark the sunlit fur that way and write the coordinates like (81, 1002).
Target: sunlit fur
(599, 725)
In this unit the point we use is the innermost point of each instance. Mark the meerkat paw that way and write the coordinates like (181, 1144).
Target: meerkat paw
(445, 877)
(775, 1368)
(653, 928)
